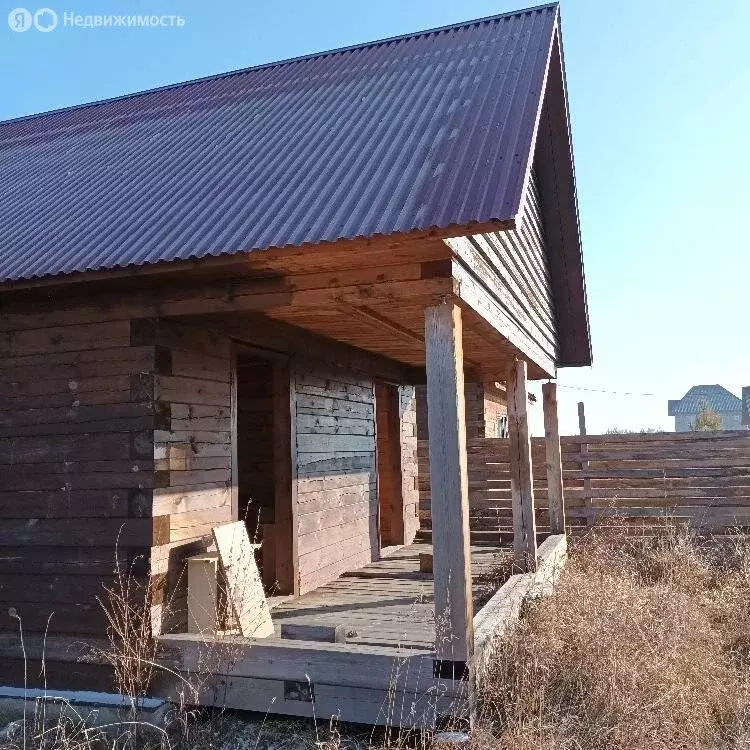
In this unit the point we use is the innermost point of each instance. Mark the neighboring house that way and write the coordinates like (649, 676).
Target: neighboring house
(746, 406)
(218, 299)
(715, 397)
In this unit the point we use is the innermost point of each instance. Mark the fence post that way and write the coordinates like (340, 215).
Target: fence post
(584, 450)
(581, 418)
(554, 460)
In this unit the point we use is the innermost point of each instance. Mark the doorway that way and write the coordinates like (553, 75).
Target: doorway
(390, 496)
(264, 472)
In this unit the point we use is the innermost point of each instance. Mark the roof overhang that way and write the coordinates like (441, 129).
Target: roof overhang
(553, 157)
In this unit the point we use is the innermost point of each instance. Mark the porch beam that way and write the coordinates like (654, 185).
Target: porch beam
(270, 336)
(454, 640)
(555, 491)
(521, 475)
(402, 285)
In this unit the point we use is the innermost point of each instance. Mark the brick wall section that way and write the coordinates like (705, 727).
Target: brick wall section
(495, 408)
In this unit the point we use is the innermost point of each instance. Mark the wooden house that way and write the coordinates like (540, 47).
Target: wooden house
(218, 301)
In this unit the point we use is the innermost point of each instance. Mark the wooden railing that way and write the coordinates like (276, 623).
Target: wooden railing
(641, 480)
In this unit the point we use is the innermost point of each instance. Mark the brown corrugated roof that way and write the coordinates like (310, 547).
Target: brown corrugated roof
(423, 131)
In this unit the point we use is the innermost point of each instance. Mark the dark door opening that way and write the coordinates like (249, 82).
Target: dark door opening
(390, 497)
(264, 465)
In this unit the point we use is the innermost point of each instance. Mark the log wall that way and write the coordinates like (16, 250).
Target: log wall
(337, 504)
(77, 417)
(115, 446)
(192, 457)
(639, 481)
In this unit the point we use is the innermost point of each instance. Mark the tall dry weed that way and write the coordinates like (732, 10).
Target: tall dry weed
(644, 644)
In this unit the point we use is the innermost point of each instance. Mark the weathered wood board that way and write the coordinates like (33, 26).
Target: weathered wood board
(638, 481)
(447, 430)
(202, 598)
(244, 587)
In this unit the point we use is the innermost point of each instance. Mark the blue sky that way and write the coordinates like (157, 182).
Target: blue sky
(660, 109)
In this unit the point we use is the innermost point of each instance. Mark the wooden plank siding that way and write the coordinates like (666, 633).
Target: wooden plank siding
(336, 474)
(638, 481)
(504, 276)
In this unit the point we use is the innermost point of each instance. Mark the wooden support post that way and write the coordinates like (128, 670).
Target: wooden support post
(555, 491)
(454, 643)
(521, 474)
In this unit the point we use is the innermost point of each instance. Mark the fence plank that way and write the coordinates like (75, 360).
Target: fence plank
(644, 480)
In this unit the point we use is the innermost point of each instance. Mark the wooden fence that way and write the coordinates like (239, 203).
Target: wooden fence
(641, 480)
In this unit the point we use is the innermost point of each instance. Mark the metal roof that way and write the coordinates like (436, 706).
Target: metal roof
(715, 397)
(423, 131)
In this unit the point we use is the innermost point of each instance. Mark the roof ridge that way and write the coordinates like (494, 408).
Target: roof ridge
(277, 63)
(703, 390)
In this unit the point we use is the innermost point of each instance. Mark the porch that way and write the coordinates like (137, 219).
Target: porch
(385, 671)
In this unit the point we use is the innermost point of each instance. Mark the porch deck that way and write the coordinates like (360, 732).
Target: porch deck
(388, 602)
(383, 673)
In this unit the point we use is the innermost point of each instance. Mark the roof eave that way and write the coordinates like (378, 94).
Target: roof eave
(244, 256)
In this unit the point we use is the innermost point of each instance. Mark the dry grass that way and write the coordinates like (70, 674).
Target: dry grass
(132, 652)
(488, 583)
(644, 644)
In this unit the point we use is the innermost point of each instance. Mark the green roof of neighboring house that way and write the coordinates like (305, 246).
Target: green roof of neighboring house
(715, 397)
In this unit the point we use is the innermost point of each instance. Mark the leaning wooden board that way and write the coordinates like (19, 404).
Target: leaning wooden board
(244, 587)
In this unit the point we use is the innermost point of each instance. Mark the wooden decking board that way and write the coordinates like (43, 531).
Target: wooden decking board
(384, 667)
(388, 602)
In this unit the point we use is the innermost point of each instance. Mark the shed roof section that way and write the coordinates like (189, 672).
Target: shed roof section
(430, 130)
(714, 397)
